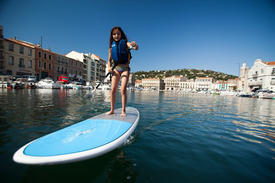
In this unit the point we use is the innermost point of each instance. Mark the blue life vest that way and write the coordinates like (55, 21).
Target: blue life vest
(120, 53)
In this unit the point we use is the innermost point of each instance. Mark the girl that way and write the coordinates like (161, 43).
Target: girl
(120, 55)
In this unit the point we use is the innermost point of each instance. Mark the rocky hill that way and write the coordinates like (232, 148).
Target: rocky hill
(189, 73)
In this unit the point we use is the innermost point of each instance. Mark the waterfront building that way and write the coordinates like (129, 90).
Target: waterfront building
(65, 66)
(138, 83)
(187, 85)
(204, 83)
(262, 75)
(232, 84)
(173, 82)
(220, 85)
(153, 83)
(100, 67)
(18, 58)
(44, 63)
(242, 84)
(93, 67)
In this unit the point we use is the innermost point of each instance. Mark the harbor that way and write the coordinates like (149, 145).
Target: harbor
(48, 83)
(190, 136)
(137, 91)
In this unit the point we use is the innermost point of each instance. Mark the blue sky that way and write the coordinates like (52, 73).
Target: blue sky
(217, 35)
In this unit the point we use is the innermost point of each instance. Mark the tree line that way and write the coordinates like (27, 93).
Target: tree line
(188, 73)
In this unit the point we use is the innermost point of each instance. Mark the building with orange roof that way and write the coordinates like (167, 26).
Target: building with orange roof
(270, 63)
(262, 75)
(44, 63)
(19, 58)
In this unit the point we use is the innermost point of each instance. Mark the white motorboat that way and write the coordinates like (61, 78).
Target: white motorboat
(266, 94)
(47, 83)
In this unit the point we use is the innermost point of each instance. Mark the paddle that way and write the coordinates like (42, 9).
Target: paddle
(104, 78)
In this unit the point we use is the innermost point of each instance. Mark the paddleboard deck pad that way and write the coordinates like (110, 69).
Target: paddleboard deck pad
(84, 140)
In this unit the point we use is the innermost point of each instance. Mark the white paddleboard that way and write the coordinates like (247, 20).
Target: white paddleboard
(87, 139)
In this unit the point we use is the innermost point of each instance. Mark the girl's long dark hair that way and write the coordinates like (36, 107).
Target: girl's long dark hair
(123, 36)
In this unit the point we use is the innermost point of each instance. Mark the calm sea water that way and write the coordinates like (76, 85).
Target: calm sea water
(180, 137)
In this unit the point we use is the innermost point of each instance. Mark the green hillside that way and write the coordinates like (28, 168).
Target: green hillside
(189, 73)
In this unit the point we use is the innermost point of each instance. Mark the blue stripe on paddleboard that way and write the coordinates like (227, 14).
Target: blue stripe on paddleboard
(80, 137)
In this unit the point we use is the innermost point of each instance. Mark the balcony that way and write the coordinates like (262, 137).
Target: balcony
(255, 83)
(272, 82)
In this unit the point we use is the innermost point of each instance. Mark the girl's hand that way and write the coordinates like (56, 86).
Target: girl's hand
(134, 45)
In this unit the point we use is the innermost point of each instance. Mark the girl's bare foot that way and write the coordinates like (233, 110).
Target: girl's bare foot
(110, 112)
(123, 114)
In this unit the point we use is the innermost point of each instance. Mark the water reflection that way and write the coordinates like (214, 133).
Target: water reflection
(111, 167)
(245, 119)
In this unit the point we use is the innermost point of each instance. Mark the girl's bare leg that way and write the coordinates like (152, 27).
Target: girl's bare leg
(115, 81)
(124, 82)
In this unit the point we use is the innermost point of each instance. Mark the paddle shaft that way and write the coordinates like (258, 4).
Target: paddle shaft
(106, 76)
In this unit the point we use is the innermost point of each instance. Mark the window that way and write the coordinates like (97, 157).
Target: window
(11, 60)
(21, 50)
(30, 52)
(50, 57)
(11, 47)
(45, 55)
(50, 67)
(21, 62)
(30, 64)
(39, 54)
(45, 65)
(39, 64)
(273, 71)
(262, 71)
